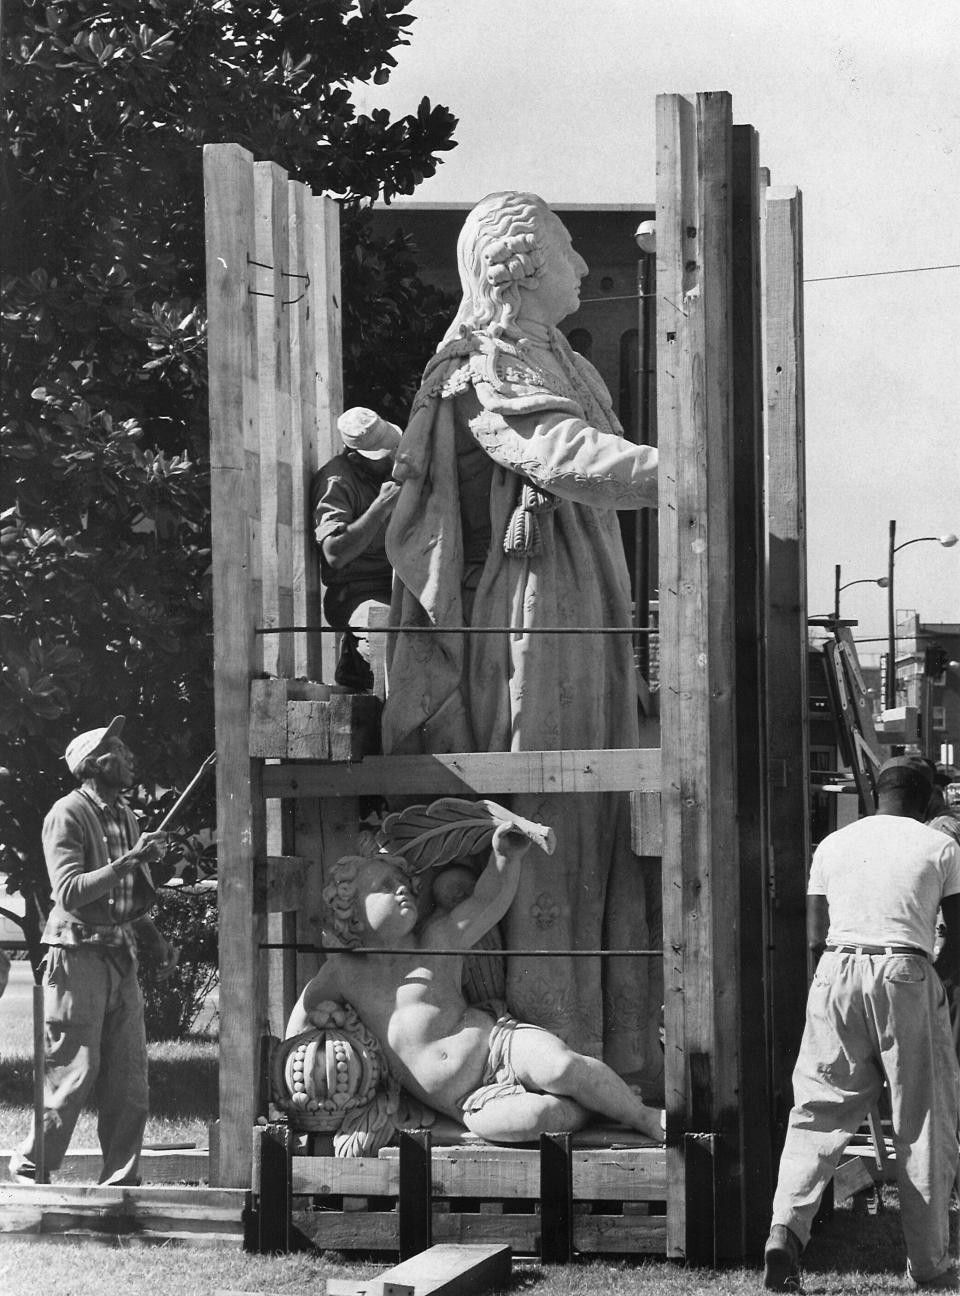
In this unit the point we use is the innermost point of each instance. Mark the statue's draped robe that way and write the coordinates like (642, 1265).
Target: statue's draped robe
(486, 412)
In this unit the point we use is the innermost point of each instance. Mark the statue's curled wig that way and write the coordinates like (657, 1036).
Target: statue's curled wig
(501, 249)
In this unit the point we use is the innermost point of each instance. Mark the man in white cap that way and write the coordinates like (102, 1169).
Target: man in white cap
(98, 862)
(877, 1012)
(352, 497)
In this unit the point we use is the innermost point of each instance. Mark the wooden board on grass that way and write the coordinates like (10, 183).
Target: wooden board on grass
(453, 1269)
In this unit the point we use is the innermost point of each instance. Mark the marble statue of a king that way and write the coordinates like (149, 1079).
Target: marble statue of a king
(513, 465)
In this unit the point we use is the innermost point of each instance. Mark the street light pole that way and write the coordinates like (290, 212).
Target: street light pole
(890, 688)
(837, 587)
(947, 541)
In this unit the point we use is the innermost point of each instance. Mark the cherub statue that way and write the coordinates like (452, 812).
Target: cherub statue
(505, 1080)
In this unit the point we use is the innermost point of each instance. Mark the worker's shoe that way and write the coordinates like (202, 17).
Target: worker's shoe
(21, 1171)
(946, 1280)
(781, 1260)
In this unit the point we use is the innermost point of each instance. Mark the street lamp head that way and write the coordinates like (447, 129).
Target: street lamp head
(646, 236)
(882, 581)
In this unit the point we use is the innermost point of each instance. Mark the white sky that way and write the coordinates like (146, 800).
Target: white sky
(855, 102)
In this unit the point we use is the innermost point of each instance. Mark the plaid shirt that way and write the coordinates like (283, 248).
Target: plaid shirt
(118, 839)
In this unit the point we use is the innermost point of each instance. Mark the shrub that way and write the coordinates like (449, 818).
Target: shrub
(187, 917)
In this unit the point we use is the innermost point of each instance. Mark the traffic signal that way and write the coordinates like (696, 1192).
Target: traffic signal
(935, 661)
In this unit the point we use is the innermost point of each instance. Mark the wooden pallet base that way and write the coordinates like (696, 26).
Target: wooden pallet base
(127, 1216)
(596, 1200)
(363, 1228)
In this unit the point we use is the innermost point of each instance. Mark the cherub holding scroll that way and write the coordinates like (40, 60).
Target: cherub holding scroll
(505, 1080)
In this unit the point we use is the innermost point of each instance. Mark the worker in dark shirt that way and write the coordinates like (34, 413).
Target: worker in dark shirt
(352, 497)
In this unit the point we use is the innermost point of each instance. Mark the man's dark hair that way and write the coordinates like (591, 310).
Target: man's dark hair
(87, 769)
(912, 787)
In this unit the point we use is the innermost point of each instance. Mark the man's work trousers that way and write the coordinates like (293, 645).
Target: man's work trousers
(95, 1047)
(871, 1018)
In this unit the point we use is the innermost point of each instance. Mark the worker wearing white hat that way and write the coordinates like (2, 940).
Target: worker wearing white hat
(98, 862)
(352, 497)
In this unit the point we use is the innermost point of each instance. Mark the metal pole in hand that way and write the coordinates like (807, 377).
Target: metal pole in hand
(174, 811)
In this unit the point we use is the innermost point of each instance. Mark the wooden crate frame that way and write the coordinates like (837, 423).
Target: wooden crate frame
(723, 799)
(562, 1198)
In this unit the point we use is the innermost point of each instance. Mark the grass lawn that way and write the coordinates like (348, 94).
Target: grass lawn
(854, 1253)
(183, 1081)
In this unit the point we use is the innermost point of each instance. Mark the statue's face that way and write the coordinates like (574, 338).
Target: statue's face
(385, 898)
(557, 293)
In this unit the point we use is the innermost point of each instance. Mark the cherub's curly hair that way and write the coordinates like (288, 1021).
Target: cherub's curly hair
(501, 248)
(340, 895)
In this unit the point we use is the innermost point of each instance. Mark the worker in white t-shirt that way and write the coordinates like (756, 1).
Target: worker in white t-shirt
(877, 1011)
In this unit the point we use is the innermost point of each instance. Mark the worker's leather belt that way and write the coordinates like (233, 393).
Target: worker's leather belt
(877, 949)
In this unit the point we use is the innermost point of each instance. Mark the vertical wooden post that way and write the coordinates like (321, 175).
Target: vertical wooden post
(328, 356)
(786, 686)
(234, 455)
(315, 230)
(272, 317)
(415, 1193)
(750, 542)
(556, 1199)
(701, 885)
(273, 286)
(306, 254)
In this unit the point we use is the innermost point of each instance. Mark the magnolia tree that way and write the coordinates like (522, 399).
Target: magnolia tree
(105, 504)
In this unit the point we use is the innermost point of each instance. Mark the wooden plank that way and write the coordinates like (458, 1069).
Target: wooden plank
(273, 383)
(126, 1241)
(850, 1177)
(592, 1234)
(331, 1230)
(465, 772)
(329, 365)
(743, 1224)
(229, 195)
(620, 1234)
(219, 1203)
(354, 726)
(647, 823)
(698, 803)
(366, 1287)
(637, 1174)
(345, 1176)
(279, 883)
(268, 718)
(454, 1269)
(308, 731)
(157, 1166)
(786, 686)
(464, 1172)
(308, 835)
(305, 247)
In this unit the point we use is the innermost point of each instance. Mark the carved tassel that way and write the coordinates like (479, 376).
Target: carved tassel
(523, 538)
